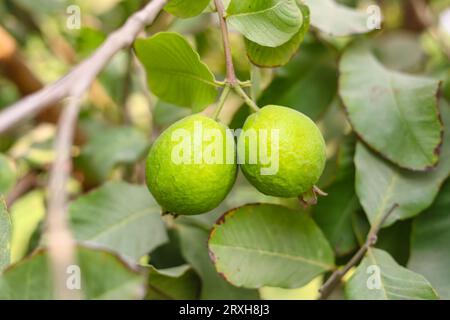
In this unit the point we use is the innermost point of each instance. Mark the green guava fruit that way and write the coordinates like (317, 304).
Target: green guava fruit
(288, 156)
(192, 166)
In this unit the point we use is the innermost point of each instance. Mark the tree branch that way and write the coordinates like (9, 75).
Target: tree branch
(81, 77)
(372, 237)
(61, 245)
(60, 242)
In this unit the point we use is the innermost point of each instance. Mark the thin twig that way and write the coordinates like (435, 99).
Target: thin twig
(81, 77)
(371, 240)
(61, 245)
(231, 74)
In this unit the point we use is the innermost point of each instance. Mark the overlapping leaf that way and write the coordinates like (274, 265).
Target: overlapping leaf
(269, 23)
(278, 56)
(379, 277)
(178, 283)
(103, 276)
(193, 240)
(119, 216)
(380, 184)
(269, 245)
(175, 72)
(405, 106)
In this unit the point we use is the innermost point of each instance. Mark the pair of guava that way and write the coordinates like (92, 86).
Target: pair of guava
(288, 160)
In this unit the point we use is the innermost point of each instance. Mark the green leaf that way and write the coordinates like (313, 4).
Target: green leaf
(430, 254)
(193, 241)
(178, 283)
(269, 23)
(8, 174)
(274, 57)
(337, 20)
(186, 8)
(119, 216)
(26, 215)
(333, 214)
(406, 106)
(307, 84)
(269, 245)
(379, 277)
(5, 235)
(380, 184)
(109, 148)
(104, 276)
(175, 72)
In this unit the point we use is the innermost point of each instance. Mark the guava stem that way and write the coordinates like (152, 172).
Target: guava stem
(238, 89)
(222, 100)
(231, 75)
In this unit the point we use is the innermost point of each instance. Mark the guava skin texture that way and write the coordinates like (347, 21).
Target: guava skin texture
(193, 188)
(302, 152)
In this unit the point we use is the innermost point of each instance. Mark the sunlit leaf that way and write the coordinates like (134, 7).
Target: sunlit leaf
(278, 56)
(175, 72)
(269, 23)
(26, 215)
